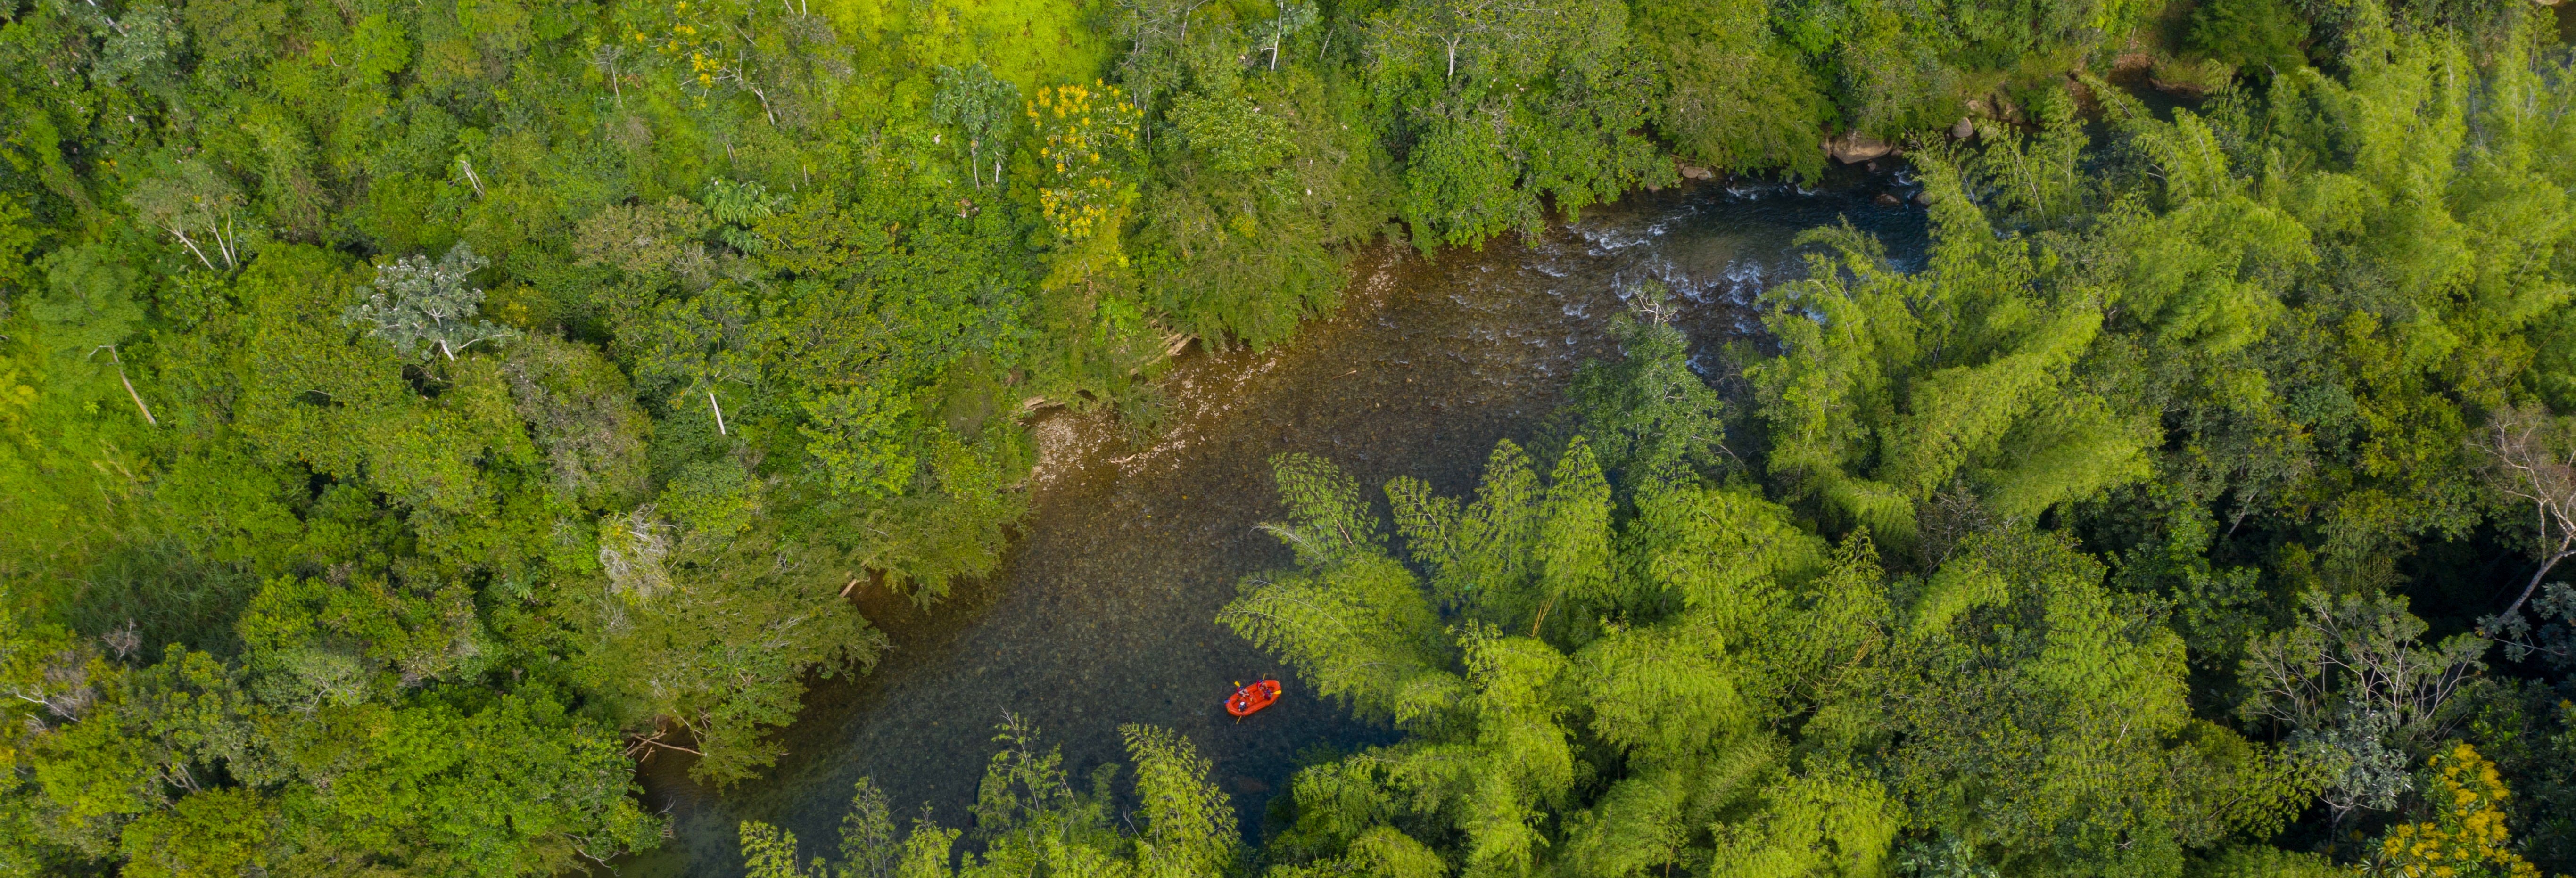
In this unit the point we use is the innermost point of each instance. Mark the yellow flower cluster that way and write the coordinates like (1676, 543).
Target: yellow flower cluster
(2467, 836)
(687, 40)
(1080, 131)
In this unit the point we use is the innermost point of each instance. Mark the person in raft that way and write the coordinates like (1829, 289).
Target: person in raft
(1248, 700)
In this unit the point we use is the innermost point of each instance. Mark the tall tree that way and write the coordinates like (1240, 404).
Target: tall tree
(981, 107)
(417, 306)
(1894, 387)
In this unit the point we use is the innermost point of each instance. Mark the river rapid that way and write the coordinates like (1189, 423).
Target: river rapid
(1103, 613)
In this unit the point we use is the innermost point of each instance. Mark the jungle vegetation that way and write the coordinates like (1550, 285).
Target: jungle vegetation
(412, 414)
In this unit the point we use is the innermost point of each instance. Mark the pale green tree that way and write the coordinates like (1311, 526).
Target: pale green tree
(419, 306)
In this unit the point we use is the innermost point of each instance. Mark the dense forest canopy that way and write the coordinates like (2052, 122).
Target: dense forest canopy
(413, 414)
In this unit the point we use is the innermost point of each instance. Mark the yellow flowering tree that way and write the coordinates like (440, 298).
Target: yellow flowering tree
(717, 48)
(695, 35)
(1083, 136)
(2466, 837)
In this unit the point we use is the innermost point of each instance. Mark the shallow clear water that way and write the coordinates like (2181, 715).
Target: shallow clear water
(1104, 612)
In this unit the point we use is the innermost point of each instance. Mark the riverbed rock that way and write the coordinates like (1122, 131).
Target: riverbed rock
(1693, 172)
(1923, 198)
(1965, 129)
(1855, 147)
(1887, 200)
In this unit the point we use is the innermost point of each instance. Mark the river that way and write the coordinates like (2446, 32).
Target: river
(1103, 613)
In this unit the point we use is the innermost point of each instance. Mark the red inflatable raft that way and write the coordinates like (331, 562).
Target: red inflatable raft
(1251, 699)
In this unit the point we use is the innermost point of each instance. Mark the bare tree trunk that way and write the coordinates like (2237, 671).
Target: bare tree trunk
(174, 231)
(224, 241)
(102, 13)
(2534, 584)
(129, 383)
(719, 410)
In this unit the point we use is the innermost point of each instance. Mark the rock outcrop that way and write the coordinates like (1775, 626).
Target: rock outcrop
(1855, 147)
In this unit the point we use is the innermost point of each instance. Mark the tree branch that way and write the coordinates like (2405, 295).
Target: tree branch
(129, 383)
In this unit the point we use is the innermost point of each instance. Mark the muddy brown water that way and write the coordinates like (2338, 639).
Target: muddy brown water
(1104, 611)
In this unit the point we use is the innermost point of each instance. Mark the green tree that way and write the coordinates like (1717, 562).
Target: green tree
(1651, 419)
(1600, 694)
(1893, 387)
(980, 107)
(1507, 103)
(416, 305)
(1742, 101)
(2266, 34)
(1034, 821)
(1502, 709)
(1254, 222)
(2363, 696)
(193, 202)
